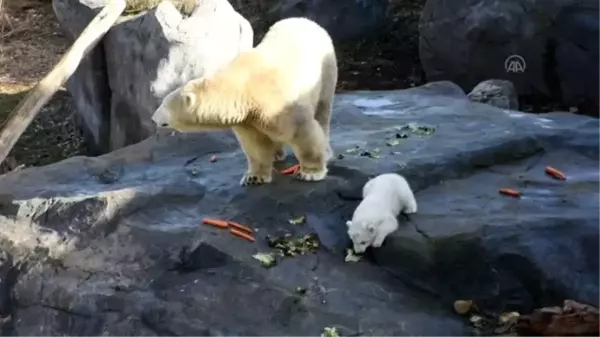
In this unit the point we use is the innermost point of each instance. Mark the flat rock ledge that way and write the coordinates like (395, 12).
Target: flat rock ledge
(93, 246)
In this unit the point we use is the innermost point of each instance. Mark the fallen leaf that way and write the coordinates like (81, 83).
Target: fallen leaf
(392, 142)
(462, 307)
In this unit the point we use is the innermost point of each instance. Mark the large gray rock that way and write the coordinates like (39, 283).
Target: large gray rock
(468, 41)
(94, 245)
(344, 19)
(144, 57)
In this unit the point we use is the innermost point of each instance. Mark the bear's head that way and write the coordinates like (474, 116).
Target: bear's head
(362, 232)
(177, 110)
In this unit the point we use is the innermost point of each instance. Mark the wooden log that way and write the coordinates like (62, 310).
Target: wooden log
(573, 319)
(22, 115)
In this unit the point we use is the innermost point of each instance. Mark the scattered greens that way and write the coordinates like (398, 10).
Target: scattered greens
(266, 260)
(330, 332)
(350, 257)
(297, 221)
(290, 246)
(419, 129)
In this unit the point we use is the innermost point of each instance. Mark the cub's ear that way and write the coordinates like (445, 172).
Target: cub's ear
(348, 223)
(371, 228)
(189, 99)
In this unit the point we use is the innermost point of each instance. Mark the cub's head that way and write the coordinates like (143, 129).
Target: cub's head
(362, 232)
(177, 109)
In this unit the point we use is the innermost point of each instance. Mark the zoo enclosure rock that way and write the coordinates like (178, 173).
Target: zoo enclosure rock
(102, 236)
(344, 19)
(142, 58)
(468, 41)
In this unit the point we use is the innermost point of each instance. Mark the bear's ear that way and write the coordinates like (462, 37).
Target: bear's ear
(371, 228)
(189, 99)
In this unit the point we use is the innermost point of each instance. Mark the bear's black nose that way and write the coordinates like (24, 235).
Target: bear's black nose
(164, 125)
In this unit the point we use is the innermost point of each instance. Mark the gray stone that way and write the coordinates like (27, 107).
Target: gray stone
(114, 244)
(144, 57)
(498, 93)
(344, 20)
(469, 41)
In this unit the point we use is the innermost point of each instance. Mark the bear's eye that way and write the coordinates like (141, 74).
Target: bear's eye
(363, 242)
(164, 125)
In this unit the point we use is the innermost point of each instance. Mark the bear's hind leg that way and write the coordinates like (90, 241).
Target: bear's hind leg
(310, 148)
(260, 151)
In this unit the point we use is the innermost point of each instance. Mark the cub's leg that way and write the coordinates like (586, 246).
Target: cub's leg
(388, 226)
(260, 151)
(309, 146)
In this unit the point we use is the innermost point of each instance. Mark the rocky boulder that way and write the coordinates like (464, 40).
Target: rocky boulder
(114, 245)
(344, 20)
(141, 59)
(546, 48)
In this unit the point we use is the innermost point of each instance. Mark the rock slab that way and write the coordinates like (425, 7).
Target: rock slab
(547, 48)
(113, 245)
(141, 59)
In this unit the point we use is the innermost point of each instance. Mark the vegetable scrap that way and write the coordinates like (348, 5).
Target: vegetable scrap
(215, 223)
(242, 235)
(235, 228)
(353, 150)
(289, 246)
(240, 227)
(486, 324)
(330, 332)
(510, 192)
(400, 135)
(266, 260)
(291, 170)
(554, 173)
(297, 221)
(340, 156)
(419, 129)
(392, 142)
(351, 257)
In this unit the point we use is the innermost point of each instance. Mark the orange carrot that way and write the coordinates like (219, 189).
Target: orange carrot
(215, 222)
(555, 173)
(240, 227)
(291, 170)
(510, 192)
(242, 234)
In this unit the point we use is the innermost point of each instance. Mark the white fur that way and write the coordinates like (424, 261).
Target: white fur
(384, 197)
(280, 92)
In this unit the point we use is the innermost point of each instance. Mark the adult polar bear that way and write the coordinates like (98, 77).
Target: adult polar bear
(279, 92)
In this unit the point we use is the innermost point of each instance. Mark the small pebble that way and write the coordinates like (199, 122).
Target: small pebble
(213, 159)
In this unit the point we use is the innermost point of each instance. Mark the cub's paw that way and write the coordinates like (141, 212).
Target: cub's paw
(311, 175)
(411, 208)
(253, 179)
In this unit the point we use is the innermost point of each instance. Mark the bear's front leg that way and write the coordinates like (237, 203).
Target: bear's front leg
(260, 151)
(387, 226)
(311, 150)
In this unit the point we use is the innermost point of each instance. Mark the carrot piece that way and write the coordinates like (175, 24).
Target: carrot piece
(240, 227)
(241, 234)
(291, 170)
(215, 222)
(510, 192)
(555, 173)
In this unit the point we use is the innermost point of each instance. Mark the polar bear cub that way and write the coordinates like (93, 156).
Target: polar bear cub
(384, 197)
(280, 92)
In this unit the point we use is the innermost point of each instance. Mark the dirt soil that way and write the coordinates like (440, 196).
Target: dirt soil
(31, 42)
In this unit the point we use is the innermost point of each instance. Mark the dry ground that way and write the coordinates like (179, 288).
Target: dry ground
(31, 42)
